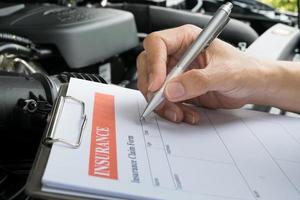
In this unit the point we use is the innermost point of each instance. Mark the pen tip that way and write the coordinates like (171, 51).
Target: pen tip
(142, 118)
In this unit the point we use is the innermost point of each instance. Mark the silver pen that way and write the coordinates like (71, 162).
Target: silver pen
(208, 34)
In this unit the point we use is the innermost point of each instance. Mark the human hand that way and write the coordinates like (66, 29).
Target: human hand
(220, 77)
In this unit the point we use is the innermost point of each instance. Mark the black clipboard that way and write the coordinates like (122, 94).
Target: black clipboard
(34, 185)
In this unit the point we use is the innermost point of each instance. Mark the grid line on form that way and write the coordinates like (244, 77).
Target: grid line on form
(184, 190)
(285, 160)
(200, 159)
(227, 149)
(289, 133)
(271, 156)
(142, 127)
(172, 174)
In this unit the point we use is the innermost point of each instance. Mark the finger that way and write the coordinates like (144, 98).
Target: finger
(155, 61)
(171, 112)
(159, 45)
(198, 82)
(142, 82)
(178, 113)
(191, 115)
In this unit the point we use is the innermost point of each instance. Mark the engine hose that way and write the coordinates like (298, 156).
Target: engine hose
(7, 37)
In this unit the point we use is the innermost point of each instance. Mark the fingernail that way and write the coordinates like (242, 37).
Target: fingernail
(191, 118)
(170, 115)
(150, 81)
(174, 90)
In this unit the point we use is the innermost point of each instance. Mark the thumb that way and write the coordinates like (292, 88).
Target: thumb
(196, 82)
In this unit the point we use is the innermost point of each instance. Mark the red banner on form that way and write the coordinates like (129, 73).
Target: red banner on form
(103, 155)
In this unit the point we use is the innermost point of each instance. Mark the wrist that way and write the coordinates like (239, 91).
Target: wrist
(267, 82)
(279, 85)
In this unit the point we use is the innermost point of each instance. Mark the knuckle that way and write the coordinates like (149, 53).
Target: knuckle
(141, 74)
(236, 75)
(152, 36)
(190, 28)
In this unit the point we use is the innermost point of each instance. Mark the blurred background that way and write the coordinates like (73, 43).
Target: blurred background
(43, 43)
(285, 5)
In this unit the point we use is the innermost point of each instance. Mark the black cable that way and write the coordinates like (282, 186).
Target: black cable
(17, 193)
(21, 50)
(3, 179)
(27, 198)
(26, 46)
(15, 49)
(7, 37)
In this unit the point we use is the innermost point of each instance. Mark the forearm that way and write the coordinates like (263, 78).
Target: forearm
(282, 85)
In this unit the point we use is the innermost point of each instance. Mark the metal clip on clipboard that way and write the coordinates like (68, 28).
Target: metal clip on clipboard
(55, 116)
(34, 185)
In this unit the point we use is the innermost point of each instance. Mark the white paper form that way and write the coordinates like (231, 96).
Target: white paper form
(229, 155)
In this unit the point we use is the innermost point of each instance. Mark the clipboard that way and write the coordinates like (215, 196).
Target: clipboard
(34, 185)
(238, 129)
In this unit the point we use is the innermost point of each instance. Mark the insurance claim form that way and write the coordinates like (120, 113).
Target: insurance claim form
(230, 155)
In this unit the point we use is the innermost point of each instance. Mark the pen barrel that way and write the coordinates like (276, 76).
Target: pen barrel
(209, 33)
